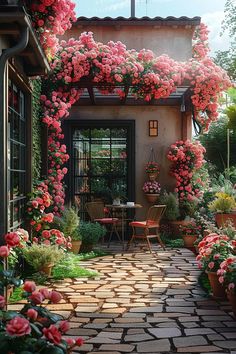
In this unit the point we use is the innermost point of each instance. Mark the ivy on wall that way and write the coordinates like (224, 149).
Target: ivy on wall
(36, 129)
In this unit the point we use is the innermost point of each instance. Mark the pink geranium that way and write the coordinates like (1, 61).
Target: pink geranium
(18, 326)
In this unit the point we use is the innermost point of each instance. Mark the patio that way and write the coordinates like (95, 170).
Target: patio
(143, 303)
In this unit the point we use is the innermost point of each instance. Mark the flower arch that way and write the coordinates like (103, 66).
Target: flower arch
(110, 66)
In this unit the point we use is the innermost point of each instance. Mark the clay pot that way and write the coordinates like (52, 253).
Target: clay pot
(152, 198)
(152, 176)
(75, 246)
(221, 219)
(218, 290)
(232, 300)
(47, 269)
(189, 241)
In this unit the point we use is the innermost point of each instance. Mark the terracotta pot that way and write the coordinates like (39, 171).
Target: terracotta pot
(221, 219)
(47, 269)
(189, 241)
(152, 176)
(152, 198)
(231, 294)
(75, 246)
(218, 290)
(175, 227)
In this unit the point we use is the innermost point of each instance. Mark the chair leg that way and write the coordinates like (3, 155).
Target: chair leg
(132, 239)
(160, 240)
(110, 236)
(146, 231)
(116, 232)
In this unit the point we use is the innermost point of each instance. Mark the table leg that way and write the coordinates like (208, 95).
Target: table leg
(122, 229)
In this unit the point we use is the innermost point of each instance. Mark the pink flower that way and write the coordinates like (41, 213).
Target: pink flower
(2, 301)
(231, 286)
(69, 341)
(54, 297)
(4, 251)
(32, 314)
(36, 297)
(211, 265)
(18, 327)
(52, 334)
(29, 286)
(12, 239)
(64, 326)
(221, 279)
(79, 342)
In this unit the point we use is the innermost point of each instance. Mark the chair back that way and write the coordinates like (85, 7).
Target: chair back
(155, 214)
(95, 210)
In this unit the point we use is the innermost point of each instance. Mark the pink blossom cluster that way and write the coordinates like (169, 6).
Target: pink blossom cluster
(187, 157)
(51, 18)
(214, 249)
(14, 239)
(227, 271)
(53, 237)
(200, 42)
(151, 187)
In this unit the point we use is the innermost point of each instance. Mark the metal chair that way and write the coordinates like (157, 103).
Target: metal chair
(152, 221)
(96, 211)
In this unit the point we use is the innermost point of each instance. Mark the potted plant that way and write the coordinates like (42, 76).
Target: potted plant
(43, 257)
(152, 169)
(69, 225)
(224, 207)
(190, 233)
(90, 233)
(227, 276)
(213, 250)
(117, 194)
(152, 190)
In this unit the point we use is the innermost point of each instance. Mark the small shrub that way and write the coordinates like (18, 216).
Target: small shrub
(39, 255)
(91, 232)
(172, 207)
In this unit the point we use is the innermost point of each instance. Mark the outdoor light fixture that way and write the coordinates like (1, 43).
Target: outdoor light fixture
(153, 127)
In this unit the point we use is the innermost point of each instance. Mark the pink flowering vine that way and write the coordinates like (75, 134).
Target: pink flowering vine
(186, 157)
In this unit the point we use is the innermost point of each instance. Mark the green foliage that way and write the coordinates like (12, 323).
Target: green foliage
(91, 232)
(215, 142)
(39, 255)
(172, 207)
(223, 203)
(70, 268)
(173, 243)
(36, 129)
(68, 223)
(17, 295)
(204, 283)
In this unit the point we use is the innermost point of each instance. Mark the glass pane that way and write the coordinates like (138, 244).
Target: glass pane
(22, 105)
(100, 166)
(81, 185)
(15, 126)
(119, 133)
(100, 188)
(100, 133)
(81, 149)
(22, 131)
(17, 156)
(17, 184)
(119, 188)
(100, 149)
(17, 212)
(118, 167)
(16, 102)
(82, 134)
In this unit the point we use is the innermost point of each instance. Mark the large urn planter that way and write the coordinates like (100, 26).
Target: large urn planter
(189, 242)
(75, 246)
(222, 218)
(218, 290)
(231, 294)
(152, 197)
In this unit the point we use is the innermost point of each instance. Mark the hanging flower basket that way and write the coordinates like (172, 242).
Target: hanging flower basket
(152, 176)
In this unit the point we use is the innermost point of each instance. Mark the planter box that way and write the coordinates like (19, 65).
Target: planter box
(221, 219)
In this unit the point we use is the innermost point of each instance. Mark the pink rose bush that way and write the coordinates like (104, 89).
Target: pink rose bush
(187, 157)
(213, 250)
(227, 272)
(152, 167)
(33, 329)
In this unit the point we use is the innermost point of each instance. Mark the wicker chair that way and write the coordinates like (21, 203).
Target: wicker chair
(152, 221)
(96, 213)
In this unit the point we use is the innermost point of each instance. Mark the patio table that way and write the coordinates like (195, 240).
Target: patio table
(123, 207)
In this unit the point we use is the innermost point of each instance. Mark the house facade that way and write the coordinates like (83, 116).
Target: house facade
(109, 139)
(21, 58)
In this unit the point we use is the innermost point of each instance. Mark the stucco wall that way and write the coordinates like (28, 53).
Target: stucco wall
(169, 130)
(176, 42)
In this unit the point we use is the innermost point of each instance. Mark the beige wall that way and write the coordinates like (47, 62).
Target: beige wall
(176, 42)
(169, 130)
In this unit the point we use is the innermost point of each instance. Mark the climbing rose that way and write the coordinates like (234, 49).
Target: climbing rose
(29, 286)
(64, 326)
(32, 314)
(12, 239)
(54, 297)
(36, 297)
(18, 327)
(4, 251)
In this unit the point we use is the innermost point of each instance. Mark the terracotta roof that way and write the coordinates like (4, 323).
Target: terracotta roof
(143, 21)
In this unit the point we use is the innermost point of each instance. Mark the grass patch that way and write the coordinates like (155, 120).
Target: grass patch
(17, 295)
(92, 254)
(204, 283)
(174, 243)
(69, 268)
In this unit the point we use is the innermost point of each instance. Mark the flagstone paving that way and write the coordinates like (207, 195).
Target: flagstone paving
(146, 303)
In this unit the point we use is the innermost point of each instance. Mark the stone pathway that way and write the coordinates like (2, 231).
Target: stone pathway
(144, 303)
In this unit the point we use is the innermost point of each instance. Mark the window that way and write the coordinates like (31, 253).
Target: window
(16, 155)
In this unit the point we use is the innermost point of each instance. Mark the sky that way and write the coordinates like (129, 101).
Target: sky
(211, 12)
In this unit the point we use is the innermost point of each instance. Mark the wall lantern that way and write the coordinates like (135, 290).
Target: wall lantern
(153, 127)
